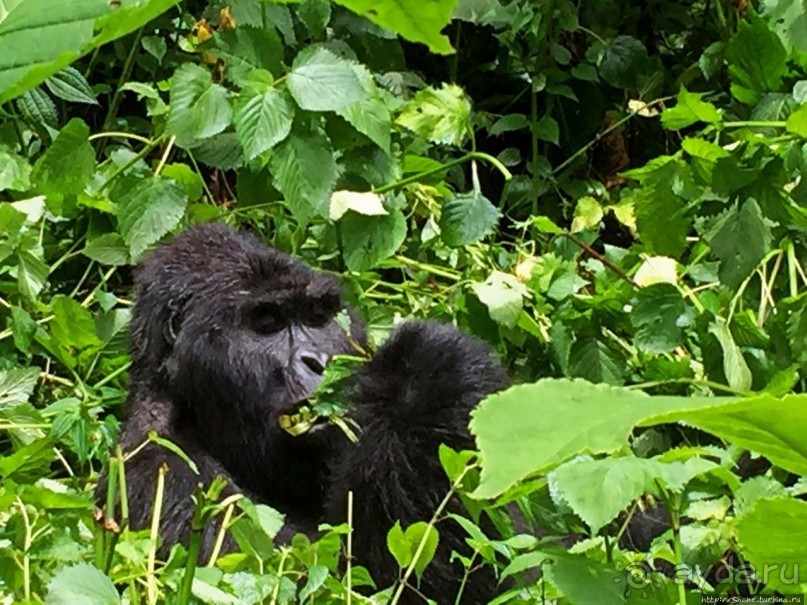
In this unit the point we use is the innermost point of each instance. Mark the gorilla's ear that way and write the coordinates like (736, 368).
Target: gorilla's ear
(155, 320)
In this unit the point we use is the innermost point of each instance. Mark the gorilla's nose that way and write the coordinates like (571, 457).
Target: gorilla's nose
(315, 362)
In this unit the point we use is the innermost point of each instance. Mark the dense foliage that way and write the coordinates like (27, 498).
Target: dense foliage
(608, 192)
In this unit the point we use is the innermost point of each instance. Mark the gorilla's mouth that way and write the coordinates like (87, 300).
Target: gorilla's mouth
(300, 419)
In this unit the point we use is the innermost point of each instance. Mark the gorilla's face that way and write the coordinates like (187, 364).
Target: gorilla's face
(237, 333)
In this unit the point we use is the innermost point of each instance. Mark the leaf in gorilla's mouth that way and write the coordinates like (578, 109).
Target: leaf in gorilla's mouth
(301, 419)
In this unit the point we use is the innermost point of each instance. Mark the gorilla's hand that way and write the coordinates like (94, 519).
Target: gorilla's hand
(426, 377)
(415, 394)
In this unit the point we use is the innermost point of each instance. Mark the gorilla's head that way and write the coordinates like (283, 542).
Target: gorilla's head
(234, 333)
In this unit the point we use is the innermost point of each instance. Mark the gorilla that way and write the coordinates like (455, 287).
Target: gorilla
(227, 336)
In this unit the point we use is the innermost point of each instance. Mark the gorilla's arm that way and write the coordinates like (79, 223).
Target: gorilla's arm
(415, 394)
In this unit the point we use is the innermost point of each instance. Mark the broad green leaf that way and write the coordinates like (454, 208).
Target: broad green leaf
(741, 238)
(547, 129)
(23, 329)
(622, 61)
(773, 537)
(788, 18)
(317, 574)
(199, 108)
(398, 546)
(509, 123)
(417, 22)
(41, 37)
(764, 424)
(107, 249)
(189, 179)
(32, 273)
(503, 295)
(322, 81)
(757, 60)
(467, 218)
(148, 211)
(246, 48)
(661, 221)
(404, 544)
(532, 428)
(304, 170)
(587, 214)
(15, 171)
(83, 584)
(68, 164)
(70, 85)
(73, 325)
(262, 121)
(439, 115)
(366, 202)
(658, 316)
(17, 385)
(689, 109)
(657, 270)
(36, 107)
(315, 15)
(598, 490)
(371, 118)
(367, 240)
(595, 360)
(797, 122)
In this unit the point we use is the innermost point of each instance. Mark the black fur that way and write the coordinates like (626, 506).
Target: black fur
(226, 334)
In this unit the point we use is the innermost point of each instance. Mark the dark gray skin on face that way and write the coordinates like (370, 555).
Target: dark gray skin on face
(227, 335)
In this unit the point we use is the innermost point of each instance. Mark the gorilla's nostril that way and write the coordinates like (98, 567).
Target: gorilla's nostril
(314, 364)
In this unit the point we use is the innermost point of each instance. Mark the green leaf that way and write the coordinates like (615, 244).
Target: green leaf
(689, 109)
(366, 202)
(17, 385)
(371, 118)
(262, 121)
(42, 37)
(36, 107)
(797, 122)
(547, 129)
(762, 424)
(70, 85)
(315, 15)
(68, 164)
(189, 179)
(503, 295)
(107, 249)
(741, 239)
(734, 366)
(439, 115)
(593, 359)
(322, 81)
(509, 123)
(15, 171)
(83, 584)
(417, 22)
(23, 328)
(658, 316)
(622, 61)
(467, 218)
(317, 574)
(199, 108)
(148, 211)
(773, 535)
(661, 221)
(788, 18)
(531, 428)
(757, 60)
(588, 214)
(367, 240)
(404, 544)
(304, 170)
(32, 273)
(246, 48)
(73, 325)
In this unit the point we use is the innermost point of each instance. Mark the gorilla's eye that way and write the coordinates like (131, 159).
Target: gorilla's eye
(266, 319)
(318, 319)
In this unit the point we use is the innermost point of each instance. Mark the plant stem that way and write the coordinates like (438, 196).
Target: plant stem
(140, 155)
(755, 124)
(194, 546)
(114, 105)
(478, 155)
